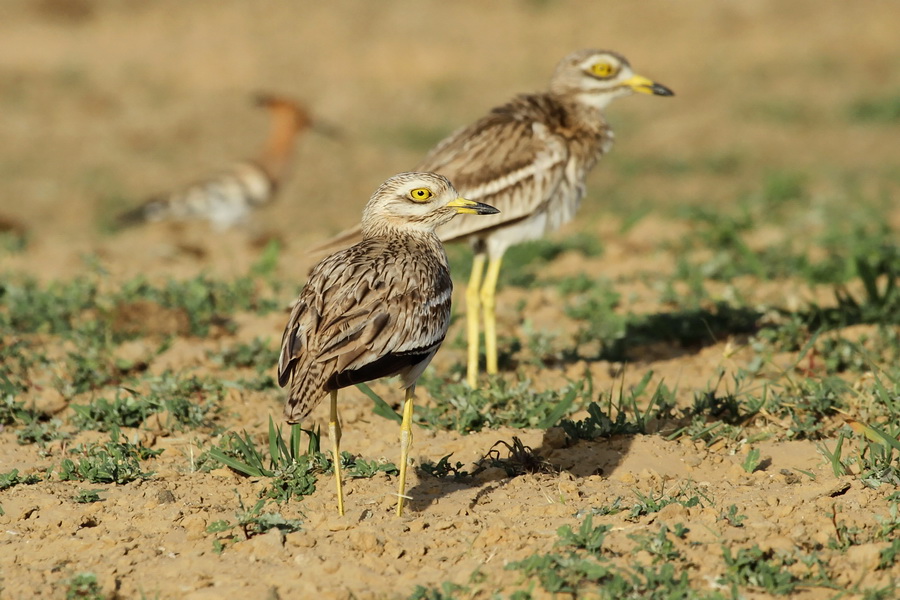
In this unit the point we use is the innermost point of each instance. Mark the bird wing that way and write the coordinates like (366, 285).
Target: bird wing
(362, 315)
(513, 159)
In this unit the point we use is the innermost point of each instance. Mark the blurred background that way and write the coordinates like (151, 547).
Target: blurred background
(105, 102)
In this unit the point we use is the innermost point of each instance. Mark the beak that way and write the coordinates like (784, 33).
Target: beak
(326, 129)
(642, 85)
(470, 207)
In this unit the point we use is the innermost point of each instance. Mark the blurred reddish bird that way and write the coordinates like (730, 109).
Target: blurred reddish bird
(227, 198)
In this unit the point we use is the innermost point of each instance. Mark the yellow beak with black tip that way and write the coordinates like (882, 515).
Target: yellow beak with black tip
(642, 85)
(470, 207)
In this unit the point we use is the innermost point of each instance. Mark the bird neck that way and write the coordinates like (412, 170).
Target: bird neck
(279, 145)
(410, 231)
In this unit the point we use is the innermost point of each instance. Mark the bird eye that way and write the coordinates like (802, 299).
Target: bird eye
(602, 69)
(420, 194)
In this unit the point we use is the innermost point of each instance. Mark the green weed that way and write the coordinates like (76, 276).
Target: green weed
(467, 410)
(11, 479)
(688, 496)
(587, 537)
(357, 468)
(660, 545)
(258, 354)
(751, 461)
(87, 496)
(249, 523)
(292, 474)
(84, 586)
(732, 516)
(443, 469)
(187, 403)
(521, 459)
(875, 110)
(447, 591)
(629, 419)
(758, 569)
(116, 461)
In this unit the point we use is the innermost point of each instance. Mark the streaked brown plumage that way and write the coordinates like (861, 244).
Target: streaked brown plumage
(529, 158)
(229, 196)
(379, 308)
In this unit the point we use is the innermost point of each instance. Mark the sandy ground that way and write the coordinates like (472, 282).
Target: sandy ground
(105, 102)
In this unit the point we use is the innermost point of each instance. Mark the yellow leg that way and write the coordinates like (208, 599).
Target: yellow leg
(472, 316)
(488, 303)
(334, 432)
(405, 443)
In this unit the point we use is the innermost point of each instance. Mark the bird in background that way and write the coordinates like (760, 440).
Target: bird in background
(529, 158)
(376, 309)
(228, 197)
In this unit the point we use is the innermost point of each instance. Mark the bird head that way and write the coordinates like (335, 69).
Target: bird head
(286, 109)
(596, 77)
(417, 201)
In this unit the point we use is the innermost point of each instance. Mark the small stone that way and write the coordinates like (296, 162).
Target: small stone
(672, 513)
(778, 543)
(300, 539)
(48, 401)
(265, 546)
(365, 541)
(165, 496)
(693, 461)
(195, 526)
(627, 477)
(491, 474)
(865, 557)
(555, 437)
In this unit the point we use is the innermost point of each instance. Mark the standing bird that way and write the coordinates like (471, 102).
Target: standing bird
(228, 197)
(530, 158)
(378, 308)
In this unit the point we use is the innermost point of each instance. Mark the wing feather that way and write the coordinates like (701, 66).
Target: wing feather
(357, 311)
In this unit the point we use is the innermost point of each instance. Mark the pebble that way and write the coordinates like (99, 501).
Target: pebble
(365, 541)
(48, 401)
(555, 438)
(195, 525)
(262, 547)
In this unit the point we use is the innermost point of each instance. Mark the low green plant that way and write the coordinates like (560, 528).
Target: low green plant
(751, 461)
(587, 537)
(660, 545)
(447, 591)
(732, 516)
(249, 523)
(468, 410)
(629, 419)
(258, 354)
(444, 469)
(187, 402)
(357, 468)
(753, 567)
(10, 479)
(687, 496)
(116, 461)
(84, 586)
(875, 110)
(291, 473)
(520, 459)
(87, 496)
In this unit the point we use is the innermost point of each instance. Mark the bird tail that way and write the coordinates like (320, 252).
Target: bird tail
(142, 213)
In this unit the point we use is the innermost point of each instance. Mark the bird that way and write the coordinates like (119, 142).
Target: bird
(376, 309)
(529, 158)
(228, 197)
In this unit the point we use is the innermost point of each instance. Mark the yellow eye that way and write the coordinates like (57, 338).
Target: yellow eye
(420, 194)
(602, 69)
